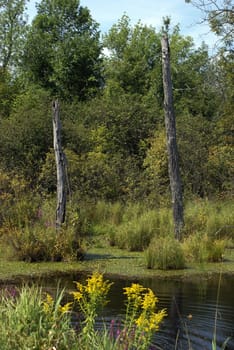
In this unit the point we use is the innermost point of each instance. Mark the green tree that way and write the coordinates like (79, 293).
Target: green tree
(9, 88)
(62, 50)
(195, 140)
(194, 77)
(26, 135)
(134, 56)
(12, 31)
(220, 16)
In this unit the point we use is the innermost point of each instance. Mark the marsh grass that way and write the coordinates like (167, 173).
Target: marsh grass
(134, 225)
(209, 227)
(213, 218)
(165, 253)
(139, 226)
(32, 319)
(24, 323)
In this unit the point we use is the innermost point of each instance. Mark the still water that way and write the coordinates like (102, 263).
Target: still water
(191, 306)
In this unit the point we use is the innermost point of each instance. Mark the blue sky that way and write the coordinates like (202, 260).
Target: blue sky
(151, 12)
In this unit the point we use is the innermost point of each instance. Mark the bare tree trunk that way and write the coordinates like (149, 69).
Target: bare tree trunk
(60, 166)
(173, 164)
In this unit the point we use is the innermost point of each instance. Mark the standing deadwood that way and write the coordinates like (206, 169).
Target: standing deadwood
(173, 164)
(60, 166)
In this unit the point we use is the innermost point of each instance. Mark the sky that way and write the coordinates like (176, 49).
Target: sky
(150, 12)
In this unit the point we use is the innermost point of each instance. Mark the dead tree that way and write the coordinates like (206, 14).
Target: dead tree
(60, 166)
(170, 125)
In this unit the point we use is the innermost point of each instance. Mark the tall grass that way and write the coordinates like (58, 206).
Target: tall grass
(131, 226)
(31, 319)
(165, 253)
(213, 218)
(201, 248)
(25, 323)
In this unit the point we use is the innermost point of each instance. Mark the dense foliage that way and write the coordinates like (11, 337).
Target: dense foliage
(111, 109)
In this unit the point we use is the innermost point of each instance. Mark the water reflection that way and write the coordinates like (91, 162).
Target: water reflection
(191, 312)
(191, 306)
(192, 309)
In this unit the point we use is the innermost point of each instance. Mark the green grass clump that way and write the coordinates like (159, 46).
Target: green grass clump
(135, 235)
(29, 320)
(201, 248)
(165, 253)
(213, 218)
(140, 226)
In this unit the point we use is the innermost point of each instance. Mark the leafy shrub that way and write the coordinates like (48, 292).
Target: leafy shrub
(165, 253)
(38, 243)
(18, 202)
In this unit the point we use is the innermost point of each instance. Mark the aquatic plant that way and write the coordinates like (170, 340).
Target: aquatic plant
(32, 319)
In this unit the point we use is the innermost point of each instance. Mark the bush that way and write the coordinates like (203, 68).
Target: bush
(39, 243)
(19, 203)
(165, 253)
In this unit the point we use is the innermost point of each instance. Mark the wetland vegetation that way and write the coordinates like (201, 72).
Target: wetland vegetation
(118, 214)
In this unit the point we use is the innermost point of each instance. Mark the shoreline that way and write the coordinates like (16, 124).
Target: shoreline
(113, 263)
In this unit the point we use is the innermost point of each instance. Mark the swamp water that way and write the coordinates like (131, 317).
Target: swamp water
(191, 306)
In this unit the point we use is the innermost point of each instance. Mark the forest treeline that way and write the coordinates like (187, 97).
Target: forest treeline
(111, 95)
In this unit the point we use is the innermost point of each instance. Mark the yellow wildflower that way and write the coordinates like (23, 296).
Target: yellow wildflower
(142, 322)
(65, 308)
(97, 285)
(150, 322)
(95, 289)
(149, 300)
(134, 291)
(80, 287)
(48, 303)
(155, 319)
(77, 295)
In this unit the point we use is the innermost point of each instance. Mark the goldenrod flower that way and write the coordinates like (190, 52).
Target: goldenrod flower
(97, 285)
(66, 308)
(156, 318)
(80, 292)
(134, 291)
(149, 300)
(48, 303)
(77, 295)
(150, 322)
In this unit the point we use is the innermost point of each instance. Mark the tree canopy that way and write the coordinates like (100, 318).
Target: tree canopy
(62, 49)
(12, 31)
(111, 104)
